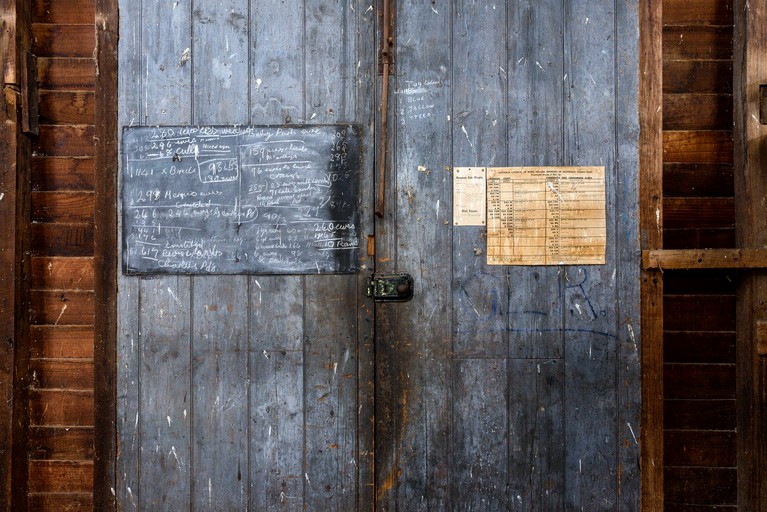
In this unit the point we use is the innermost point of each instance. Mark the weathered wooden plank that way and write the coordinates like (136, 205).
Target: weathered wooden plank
(697, 111)
(698, 212)
(60, 476)
(330, 307)
(220, 393)
(68, 107)
(708, 258)
(63, 40)
(705, 414)
(62, 307)
(711, 180)
(591, 314)
(701, 486)
(64, 11)
(697, 42)
(699, 381)
(69, 502)
(55, 140)
(699, 347)
(57, 239)
(699, 312)
(63, 206)
(480, 293)
(701, 282)
(62, 173)
(62, 374)
(697, 12)
(628, 271)
(535, 95)
(536, 434)
(165, 402)
(66, 73)
(53, 443)
(700, 448)
(61, 341)
(698, 238)
(65, 408)
(481, 435)
(692, 146)
(276, 303)
(57, 273)
(413, 454)
(220, 84)
(697, 77)
(676, 507)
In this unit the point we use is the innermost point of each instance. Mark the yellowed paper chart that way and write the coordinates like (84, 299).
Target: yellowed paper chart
(469, 203)
(546, 216)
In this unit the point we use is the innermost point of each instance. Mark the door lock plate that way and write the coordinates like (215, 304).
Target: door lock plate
(390, 288)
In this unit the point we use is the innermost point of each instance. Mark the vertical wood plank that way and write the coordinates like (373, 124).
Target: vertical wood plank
(535, 104)
(536, 434)
(105, 259)
(219, 372)
(750, 191)
(276, 302)
(480, 435)
(166, 393)
(628, 325)
(130, 85)
(651, 222)
(330, 328)
(415, 370)
(480, 294)
(589, 291)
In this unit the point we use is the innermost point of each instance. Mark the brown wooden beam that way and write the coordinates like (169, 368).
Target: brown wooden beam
(683, 259)
(651, 234)
(105, 256)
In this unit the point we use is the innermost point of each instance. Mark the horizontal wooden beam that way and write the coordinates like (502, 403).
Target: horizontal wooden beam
(704, 258)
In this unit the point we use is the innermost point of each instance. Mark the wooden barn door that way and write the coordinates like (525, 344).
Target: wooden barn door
(246, 392)
(503, 387)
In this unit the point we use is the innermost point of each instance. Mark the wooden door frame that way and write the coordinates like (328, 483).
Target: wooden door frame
(105, 257)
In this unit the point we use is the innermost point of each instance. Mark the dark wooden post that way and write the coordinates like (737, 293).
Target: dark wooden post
(15, 153)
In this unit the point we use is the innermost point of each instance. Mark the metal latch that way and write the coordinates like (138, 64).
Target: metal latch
(390, 288)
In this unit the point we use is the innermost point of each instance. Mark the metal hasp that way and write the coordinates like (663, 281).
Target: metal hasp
(391, 288)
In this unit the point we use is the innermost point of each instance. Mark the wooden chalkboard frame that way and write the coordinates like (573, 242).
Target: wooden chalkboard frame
(293, 190)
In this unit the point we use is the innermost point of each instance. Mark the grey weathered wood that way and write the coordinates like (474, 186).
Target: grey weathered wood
(536, 137)
(589, 291)
(415, 338)
(536, 441)
(165, 384)
(480, 295)
(628, 320)
(277, 303)
(127, 378)
(220, 365)
(480, 435)
(480, 292)
(330, 355)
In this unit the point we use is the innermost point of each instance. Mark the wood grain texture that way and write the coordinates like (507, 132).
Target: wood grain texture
(69, 502)
(63, 207)
(701, 486)
(64, 11)
(692, 146)
(59, 273)
(53, 443)
(62, 173)
(68, 107)
(697, 112)
(702, 179)
(64, 40)
(697, 42)
(697, 77)
(62, 374)
(698, 212)
(66, 73)
(62, 408)
(57, 239)
(67, 307)
(55, 140)
(700, 448)
(706, 414)
(697, 12)
(651, 236)
(61, 341)
(60, 476)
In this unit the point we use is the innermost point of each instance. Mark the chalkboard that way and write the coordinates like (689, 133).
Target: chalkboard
(240, 199)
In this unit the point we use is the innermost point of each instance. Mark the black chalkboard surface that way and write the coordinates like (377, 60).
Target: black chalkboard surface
(240, 199)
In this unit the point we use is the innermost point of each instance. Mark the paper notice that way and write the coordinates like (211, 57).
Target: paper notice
(546, 216)
(469, 196)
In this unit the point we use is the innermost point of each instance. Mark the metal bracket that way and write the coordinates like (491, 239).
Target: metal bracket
(390, 288)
